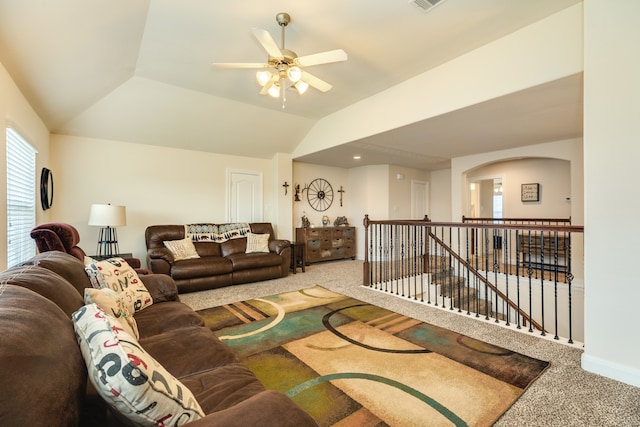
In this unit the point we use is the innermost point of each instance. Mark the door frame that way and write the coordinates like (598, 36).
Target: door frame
(228, 191)
(426, 197)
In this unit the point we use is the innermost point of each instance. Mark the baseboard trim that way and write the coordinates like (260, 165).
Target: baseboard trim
(611, 370)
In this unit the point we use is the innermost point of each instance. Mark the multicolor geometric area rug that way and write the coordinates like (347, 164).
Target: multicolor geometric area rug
(349, 363)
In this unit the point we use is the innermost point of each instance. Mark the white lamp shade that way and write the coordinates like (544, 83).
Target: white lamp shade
(302, 86)
(263, 77)
(274, 90)
(294, 73)
(108, 216)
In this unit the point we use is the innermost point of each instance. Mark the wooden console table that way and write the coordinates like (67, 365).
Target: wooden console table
(327, 243)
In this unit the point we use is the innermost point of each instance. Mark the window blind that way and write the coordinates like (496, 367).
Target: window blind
(21, 198)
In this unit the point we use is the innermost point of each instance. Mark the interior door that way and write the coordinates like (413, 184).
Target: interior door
(244, 199)
(419, 199)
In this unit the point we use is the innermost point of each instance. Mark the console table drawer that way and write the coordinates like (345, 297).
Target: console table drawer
(327, 243)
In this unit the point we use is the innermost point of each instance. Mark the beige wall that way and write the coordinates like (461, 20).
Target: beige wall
(16, 111)
(612, 202)
(158, 185)
(400, 190)
(440, 192)
(569, 150)
(553, 175)
(304, 174)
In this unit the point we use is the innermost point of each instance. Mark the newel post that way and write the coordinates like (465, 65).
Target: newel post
(366, 273)
(426, 258)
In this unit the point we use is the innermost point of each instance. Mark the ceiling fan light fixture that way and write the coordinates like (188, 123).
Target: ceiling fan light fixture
(263, 77)
(274, 90)
(284, 68)
(301, 86)
(294, 73)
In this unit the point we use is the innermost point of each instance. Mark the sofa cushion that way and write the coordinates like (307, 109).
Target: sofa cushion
(257, 243)
(43, 373)
(168, 316)
(267, 405)
(223, 387)
(127, 377)
(117, 274)
(67, 266)
(118, 305)
(254, 260)
(46, 283)
(181, 249)
(208, 249)
(169, 347)
(203, 267)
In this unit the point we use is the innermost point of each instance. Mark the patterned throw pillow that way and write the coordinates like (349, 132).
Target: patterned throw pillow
(117, 274)
(181, 249)
(127, 377)
(257, 243)
(119, 305)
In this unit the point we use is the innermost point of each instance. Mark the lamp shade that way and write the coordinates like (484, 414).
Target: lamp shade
(108, 216)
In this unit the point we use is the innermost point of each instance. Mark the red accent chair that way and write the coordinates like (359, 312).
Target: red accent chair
(59, 236)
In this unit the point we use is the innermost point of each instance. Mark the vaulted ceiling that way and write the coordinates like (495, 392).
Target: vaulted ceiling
(140, 71)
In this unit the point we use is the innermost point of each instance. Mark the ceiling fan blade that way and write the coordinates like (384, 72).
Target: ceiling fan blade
(314, 81)
(265, 88)
(239, 65)
(322, 58)
(267, 42)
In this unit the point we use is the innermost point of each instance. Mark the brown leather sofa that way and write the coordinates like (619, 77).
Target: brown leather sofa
(220, 264)
(44, 376)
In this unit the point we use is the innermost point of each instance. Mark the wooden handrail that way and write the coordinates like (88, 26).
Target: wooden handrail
(519, 220)
(477, 274)
(428, 223)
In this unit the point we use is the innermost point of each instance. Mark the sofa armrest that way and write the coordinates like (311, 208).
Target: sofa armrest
(161, 287)
(267, 409)
(134, 263)
(160, 253)
(160, 260)
(278, 246)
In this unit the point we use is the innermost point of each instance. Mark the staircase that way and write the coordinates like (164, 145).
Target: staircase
(453, 291)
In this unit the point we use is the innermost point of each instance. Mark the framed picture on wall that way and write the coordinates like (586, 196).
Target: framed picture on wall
(530, 192)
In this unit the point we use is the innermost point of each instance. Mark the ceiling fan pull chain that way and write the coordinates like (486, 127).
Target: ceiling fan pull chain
(283, 88)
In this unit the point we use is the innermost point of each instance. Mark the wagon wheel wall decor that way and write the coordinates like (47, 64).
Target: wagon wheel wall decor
(320, 194)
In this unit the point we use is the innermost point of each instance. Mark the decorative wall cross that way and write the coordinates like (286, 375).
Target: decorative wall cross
(341, 191)
(286, 187)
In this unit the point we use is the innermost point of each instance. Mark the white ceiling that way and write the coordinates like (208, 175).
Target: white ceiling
(139, 71)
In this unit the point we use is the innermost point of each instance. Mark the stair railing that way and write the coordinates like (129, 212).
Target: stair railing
(499, 270)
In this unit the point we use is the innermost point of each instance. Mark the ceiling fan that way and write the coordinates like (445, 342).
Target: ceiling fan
(284, 68)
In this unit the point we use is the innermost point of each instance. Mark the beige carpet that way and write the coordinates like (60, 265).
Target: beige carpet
(565, 395)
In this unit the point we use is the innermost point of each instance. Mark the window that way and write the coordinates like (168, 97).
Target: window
(21, 198)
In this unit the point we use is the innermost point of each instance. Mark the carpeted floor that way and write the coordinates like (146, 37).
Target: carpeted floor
(565, 395)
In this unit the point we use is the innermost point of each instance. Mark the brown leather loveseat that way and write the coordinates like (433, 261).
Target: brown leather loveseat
(219, 263)
(44, 374)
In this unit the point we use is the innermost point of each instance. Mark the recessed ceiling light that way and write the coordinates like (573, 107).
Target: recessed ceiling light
(356, 157)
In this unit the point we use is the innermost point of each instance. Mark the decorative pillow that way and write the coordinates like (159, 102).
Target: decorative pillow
(127, 377)
(119, 305)
(117, 274)
(257, 243)
(181, 249)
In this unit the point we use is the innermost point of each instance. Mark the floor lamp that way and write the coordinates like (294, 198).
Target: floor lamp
(108, 217)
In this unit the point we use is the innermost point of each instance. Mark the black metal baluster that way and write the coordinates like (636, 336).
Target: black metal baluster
(518, 320)
(505, 248)
(543, 333)
(530, 273)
